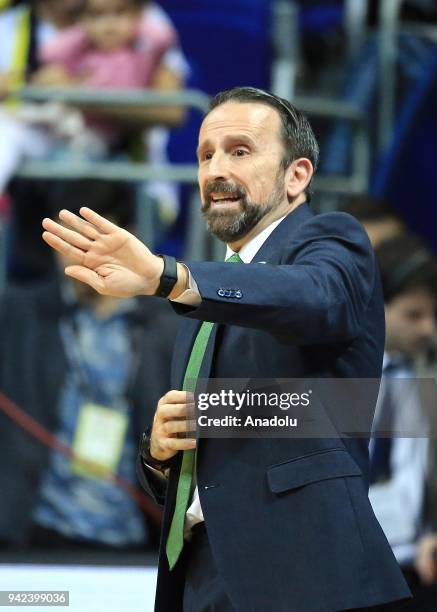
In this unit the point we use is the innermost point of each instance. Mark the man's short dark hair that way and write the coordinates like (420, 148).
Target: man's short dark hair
(406, 265)
(366, 208)
(297, 134)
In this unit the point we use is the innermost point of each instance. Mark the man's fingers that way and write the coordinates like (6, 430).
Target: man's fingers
(63, 247)
(69, 236)
(177, 397)
(80, 225)
(100, 222)
(171, 411)
(177, 444)
(179, 427)
(85, 275)
(172, 424)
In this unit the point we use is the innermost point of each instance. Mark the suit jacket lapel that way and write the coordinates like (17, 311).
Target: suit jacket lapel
(271, 250)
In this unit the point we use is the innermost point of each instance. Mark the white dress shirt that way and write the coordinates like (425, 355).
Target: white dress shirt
(398, 502)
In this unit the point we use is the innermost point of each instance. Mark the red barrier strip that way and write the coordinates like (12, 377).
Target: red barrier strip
(39, 432)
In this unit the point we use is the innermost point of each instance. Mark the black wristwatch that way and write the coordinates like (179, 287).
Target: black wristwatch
(147, 457)
(168, 278)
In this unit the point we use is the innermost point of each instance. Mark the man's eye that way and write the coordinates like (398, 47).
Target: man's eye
(240, 152)
(206, 156)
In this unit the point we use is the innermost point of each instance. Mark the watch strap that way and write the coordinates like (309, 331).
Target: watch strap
(168, 278)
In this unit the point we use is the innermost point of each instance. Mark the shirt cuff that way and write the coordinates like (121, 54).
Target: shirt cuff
(191, 295)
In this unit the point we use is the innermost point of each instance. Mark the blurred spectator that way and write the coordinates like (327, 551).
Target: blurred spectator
(379, 219)
(114, 45)
(30, 29)
(23, 29)
(90, 369)
(119, 44)
(399, 465)
(409, 279)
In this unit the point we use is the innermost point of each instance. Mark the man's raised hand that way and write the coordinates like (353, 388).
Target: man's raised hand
(103, 255)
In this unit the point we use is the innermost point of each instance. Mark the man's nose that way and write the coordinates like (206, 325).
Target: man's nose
(218, 168)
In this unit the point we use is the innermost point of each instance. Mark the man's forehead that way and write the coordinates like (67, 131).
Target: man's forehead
(252, 117)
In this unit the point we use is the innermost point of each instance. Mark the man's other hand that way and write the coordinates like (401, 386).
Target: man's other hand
(174, 417)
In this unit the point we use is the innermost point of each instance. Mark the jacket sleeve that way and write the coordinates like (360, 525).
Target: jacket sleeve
(154, 485)
(318, 293)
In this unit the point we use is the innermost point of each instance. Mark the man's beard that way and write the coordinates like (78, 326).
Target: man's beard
(231, 225)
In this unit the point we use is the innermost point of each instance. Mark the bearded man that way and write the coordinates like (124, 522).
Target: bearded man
(257, 524)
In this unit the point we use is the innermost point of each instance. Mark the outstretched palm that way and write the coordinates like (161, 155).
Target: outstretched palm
(105, 256)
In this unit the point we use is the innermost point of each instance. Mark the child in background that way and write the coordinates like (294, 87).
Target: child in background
(112, 46)
(115, 44)
(121, 44)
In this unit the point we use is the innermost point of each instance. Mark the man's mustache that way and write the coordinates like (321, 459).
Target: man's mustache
(223, 187)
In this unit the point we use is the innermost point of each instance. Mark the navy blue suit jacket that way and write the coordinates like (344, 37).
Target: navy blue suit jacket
(288, 520)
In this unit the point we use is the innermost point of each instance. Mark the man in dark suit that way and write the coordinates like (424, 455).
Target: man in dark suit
(257, 524)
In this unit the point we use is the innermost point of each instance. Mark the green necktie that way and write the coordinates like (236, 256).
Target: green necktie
(175, 538)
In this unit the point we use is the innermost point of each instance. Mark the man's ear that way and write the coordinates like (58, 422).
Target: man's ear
(299, 174)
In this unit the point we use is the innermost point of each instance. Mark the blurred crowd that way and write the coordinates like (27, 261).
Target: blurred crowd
(100, 44)
(81, 372)
(84, 373)
(403, 448)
